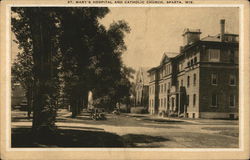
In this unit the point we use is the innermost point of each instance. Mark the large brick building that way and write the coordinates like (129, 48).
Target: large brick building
(201, 81)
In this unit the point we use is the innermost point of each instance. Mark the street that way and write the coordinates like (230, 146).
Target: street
(131, 130)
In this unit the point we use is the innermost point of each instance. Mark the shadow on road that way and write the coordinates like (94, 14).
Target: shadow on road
(22, 137)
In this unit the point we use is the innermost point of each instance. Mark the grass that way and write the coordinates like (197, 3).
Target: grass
(204, 140)
(228, 131)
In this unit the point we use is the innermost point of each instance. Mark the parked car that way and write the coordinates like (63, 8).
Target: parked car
(98, 114)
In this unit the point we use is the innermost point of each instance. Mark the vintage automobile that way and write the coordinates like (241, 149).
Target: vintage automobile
(98, 114)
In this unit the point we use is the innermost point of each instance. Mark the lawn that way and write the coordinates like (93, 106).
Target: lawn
(228, 131)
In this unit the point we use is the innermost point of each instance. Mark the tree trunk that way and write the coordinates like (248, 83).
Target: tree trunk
(85, 100)
(43, 111)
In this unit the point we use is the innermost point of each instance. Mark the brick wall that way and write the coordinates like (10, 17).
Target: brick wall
(222, 89)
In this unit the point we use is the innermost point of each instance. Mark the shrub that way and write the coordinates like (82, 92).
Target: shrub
(138, 110)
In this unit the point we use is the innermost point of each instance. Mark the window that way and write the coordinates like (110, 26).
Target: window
(164, 102)
(173, 102)
(168, 101)
(181, 65)
(188, 81)
(214, 79)
(187, 100)
(231, 55)
(195, 60)
(194, 79)
(214, 55)
(188, 64)
(192, 62)
(232, 80)
(161, 102)
(165, 87)
(167, 69)
(194, 99)
(232, 100)
(181, 82)
(168, 85)
(214, 100)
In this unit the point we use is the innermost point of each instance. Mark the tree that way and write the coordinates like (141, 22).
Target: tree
(36, 26)
(112, 82)
(22, 68)
(70, 49)
(92, 57)
(79, 34)
(22, 73)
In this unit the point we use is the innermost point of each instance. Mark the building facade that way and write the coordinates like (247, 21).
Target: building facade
(141, 87)
(17, 95)
(202, 81)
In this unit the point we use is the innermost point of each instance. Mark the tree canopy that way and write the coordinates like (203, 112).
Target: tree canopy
(66, 51)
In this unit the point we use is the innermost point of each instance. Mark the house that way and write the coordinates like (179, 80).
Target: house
(202, 81)
(141, 87)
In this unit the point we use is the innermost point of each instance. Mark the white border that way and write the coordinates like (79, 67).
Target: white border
(241, 80)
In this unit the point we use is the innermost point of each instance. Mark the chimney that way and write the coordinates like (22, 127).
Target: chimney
(191, 36)
(222, 29)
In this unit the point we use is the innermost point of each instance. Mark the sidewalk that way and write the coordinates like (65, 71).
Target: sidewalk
(165, 118)
(189, 120)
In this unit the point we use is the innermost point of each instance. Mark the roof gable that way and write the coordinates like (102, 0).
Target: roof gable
(164, 59)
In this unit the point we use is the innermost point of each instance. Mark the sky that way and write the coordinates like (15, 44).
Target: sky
(158, 30)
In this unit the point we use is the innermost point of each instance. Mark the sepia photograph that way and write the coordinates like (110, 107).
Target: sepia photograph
(103, 77)
(126, 79)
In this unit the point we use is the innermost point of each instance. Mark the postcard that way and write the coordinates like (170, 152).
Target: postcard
(125, 79)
